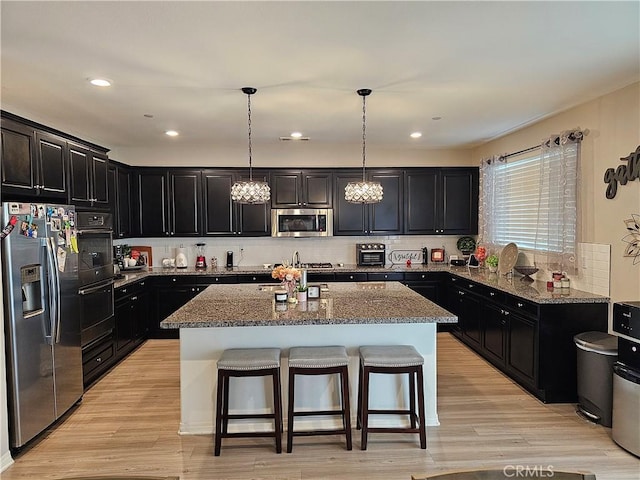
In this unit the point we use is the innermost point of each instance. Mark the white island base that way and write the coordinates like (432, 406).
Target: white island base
(200, 349)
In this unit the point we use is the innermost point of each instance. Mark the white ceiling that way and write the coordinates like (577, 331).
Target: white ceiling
(486, 68)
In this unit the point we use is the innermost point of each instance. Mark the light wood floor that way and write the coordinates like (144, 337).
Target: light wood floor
(128, 422)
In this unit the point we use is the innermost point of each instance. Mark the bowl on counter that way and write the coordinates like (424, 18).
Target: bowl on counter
(526, 271)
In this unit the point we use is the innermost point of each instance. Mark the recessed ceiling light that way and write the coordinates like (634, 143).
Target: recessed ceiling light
(416, 135)
(296, 135)
(100, 82)
(436, 118)
(171, 133)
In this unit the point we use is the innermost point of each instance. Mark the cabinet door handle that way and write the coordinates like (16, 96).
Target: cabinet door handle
(386, 276)
(173, 279)
(124, 290)
(506, 312)
(520, 304)
(492, 294)
(461, 293)
(422, 276)
(470, 285)
(628, 314)
(99, 359)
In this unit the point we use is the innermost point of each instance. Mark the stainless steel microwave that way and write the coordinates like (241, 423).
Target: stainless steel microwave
(302, 222)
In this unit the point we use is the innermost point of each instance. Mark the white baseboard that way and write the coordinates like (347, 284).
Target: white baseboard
(5, 461)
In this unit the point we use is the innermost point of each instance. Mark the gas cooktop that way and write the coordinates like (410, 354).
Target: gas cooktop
(317, 265)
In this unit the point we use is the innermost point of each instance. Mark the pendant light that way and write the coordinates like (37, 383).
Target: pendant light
(251, 192)
(363, 192)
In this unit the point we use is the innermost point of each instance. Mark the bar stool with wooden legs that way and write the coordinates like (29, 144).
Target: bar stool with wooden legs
(392, 359)
(247, 362)
(319, 361)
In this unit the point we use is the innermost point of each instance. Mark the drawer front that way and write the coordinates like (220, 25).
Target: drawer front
(177, 280)
(385, 277)
(351, 277)
(217, 279)
(493, 294)
(256, 278)
(320, 277)
(523, 307)
(422, 277)
(98, 356)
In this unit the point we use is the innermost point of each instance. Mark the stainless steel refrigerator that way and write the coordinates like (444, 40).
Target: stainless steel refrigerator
(41, 316)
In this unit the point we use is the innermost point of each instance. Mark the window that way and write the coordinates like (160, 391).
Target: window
(531, 200)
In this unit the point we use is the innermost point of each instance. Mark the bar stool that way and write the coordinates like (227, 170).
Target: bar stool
(392, 359)
(247, 362)
(319, 361)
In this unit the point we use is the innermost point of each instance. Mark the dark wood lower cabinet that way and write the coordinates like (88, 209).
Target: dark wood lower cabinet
(532, 343)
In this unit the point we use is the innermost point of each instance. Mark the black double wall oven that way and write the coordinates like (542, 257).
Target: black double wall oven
(95, 271)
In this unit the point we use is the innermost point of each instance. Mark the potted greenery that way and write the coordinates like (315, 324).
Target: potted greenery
(492, 263)
(302, 293)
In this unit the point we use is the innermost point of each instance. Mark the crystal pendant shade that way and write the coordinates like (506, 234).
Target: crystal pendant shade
(363, 192)
(251, 192)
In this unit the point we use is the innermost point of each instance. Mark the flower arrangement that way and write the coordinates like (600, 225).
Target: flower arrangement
(285, 273)
(289, 276)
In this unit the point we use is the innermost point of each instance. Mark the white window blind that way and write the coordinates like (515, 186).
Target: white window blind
(531, 198)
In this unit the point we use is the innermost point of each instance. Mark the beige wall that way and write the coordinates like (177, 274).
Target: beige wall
(290, 154)
(613, 122)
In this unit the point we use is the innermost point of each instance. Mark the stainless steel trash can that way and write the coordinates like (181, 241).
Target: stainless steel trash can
(596, 354)
(626, 397)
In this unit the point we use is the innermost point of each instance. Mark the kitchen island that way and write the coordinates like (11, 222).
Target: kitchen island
(349, 314)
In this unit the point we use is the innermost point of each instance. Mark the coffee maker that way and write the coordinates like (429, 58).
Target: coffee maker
(118, 256)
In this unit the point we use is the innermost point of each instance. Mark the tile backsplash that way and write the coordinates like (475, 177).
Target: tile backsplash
(252, 251)
(593, 275)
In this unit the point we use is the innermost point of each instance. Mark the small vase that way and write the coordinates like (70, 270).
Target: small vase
(302, 296)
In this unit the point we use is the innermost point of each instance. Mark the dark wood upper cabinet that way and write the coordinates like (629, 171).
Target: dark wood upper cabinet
(120, 199)
(33, 163)
(460, 190)
(185, 200)
(384, 218)
(223, 217)
(441, 201)
(52, 153)
(151, 218)
(168, 202)
(89, 177)
(19, 161)
(301, 188)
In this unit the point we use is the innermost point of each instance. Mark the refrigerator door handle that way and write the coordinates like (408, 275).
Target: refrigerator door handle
(54, 291)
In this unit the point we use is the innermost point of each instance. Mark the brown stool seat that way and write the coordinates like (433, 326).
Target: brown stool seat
(247, 362)
(394, 360)
(319, 361)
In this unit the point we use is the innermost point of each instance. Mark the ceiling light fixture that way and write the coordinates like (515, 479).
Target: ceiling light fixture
(296, 135)
(363, 192)
(416, 135)
(251, 192)
(171, 133)
(100, 82)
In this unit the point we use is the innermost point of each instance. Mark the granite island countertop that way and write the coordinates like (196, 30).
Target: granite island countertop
(536, 291)
(245, 305)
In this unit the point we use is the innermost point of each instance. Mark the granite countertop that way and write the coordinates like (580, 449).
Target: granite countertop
(245, 305)
(533, 291)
